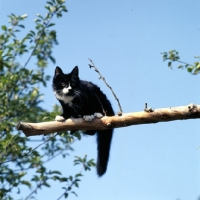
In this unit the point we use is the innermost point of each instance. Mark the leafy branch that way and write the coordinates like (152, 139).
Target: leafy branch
(30, 152)
(173, 56)
(75, 181)
(20, 98)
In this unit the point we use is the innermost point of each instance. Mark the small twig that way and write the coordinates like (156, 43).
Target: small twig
(35, 190)
(51, 158)
(187, 64)
(72, 183)
(66, 190)
(146, 109)
(101, 105)
(101, 77)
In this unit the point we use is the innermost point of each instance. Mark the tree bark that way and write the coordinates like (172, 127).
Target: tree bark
(144, 117)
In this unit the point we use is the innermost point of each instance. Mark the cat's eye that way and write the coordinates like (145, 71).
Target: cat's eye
(63, 84)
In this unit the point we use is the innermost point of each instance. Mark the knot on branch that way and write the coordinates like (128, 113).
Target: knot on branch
(109, 125)
(119, 113)
(193, 109)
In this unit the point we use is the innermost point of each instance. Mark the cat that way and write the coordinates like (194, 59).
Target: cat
(84, 99)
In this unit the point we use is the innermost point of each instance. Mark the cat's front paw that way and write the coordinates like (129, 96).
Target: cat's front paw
(59, 118)
(98, 115)
(88, 118)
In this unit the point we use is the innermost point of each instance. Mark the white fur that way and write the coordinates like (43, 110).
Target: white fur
(66, 90)
(88, 118)
(98, 115)
(67, 99)
(59, 118)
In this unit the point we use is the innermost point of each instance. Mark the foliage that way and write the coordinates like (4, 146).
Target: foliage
(173, 56)
(20, 163)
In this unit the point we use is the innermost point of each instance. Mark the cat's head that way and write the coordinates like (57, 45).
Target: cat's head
(65, 84)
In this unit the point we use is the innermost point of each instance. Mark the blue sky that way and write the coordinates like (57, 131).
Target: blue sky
(125, 40)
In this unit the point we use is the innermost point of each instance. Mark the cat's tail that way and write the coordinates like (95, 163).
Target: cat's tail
(103, 147)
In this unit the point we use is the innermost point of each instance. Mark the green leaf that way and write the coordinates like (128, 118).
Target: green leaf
(74, 193)
(69, 188)
(77, 175)
(70, 178)
(170, 64)
(4, 28)
(51, 24)
(27, 183)
(22, 26)
(66, 194)
(64, 179)
(76, 184)
(46, 184)
(52, 59)
(55, 172)
(59, 15)
(189, 69)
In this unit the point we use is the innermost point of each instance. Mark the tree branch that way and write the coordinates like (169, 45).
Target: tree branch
(158, 115)
(104, 80)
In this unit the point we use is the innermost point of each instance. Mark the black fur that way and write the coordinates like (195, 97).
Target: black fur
(80, 98)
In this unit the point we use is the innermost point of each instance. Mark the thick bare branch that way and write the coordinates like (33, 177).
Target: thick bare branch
(158, 115)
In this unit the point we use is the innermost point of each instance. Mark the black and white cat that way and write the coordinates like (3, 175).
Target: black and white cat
(84, 99)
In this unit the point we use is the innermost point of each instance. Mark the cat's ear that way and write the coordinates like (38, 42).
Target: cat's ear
(74, 72)
(58, 70)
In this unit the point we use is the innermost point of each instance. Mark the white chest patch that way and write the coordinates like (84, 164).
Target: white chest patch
(67, 99)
